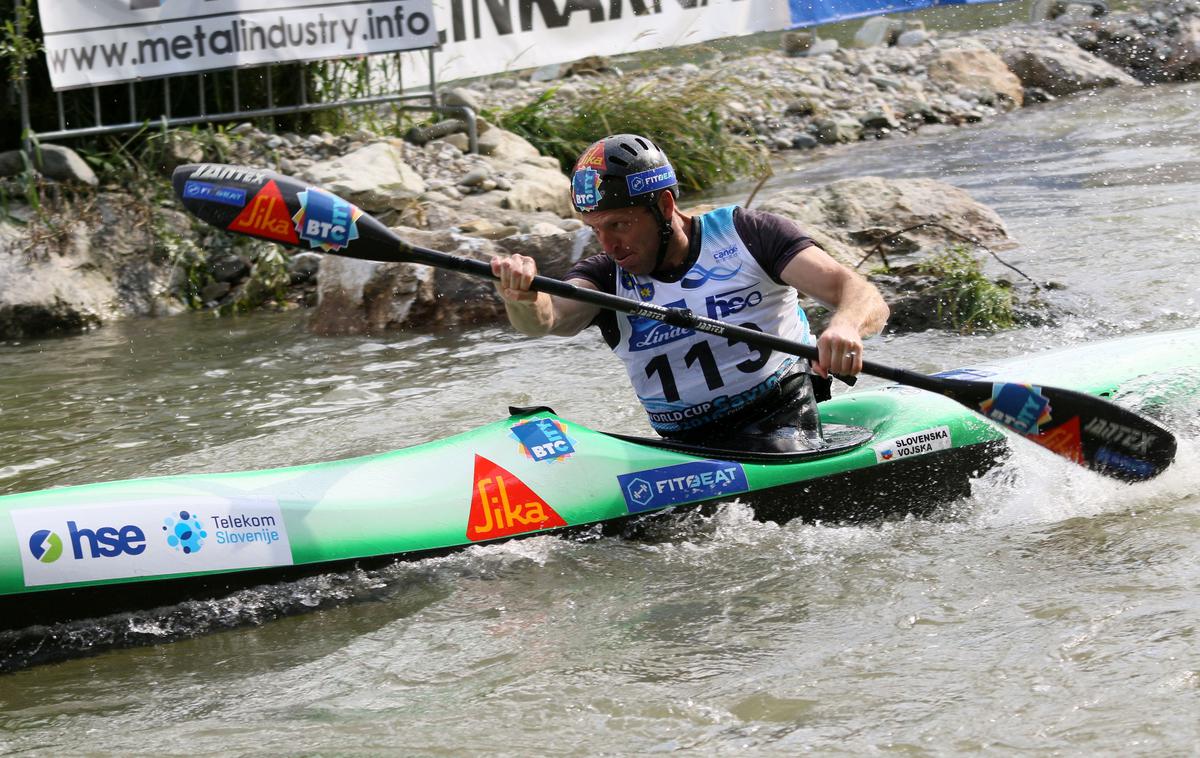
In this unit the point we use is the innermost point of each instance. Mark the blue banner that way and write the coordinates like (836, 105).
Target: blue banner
(813, 12)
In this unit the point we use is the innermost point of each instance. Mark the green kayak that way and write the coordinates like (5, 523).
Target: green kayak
(77, 552)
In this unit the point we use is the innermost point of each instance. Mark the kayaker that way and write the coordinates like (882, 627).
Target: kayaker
(732, 264)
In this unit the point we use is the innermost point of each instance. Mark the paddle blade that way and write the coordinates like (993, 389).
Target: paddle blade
(279, 208)
(1085, 429)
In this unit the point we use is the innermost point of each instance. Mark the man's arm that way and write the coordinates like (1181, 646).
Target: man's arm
(859, 309)
(538, 313)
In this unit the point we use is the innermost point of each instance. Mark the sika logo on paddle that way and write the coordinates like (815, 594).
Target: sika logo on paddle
(266, 216)
(1020, 407)
(1064, 439)
(502, 505)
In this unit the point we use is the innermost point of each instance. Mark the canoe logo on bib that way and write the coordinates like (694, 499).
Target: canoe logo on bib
(184, 532)
(502, 505)
(1020, 407)
(543, 439)
(266, 216)
(325, 220)
(683, 483)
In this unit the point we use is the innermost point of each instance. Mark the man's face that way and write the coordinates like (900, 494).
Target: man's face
(628, 235)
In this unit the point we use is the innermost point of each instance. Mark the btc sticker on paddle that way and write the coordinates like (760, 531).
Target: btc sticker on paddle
(149, 537)
(1020, 407)
(325, 220)
(682, 483)
(544, 439)
(917, 443)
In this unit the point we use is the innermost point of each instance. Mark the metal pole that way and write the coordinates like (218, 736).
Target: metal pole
(26, 126)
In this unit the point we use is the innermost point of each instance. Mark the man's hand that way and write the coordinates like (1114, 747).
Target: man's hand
(515, 275)
(840, 351)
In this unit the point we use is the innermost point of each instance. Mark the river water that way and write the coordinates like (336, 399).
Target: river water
(1056, 613)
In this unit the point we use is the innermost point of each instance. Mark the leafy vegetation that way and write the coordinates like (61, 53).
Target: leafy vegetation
(685, 119)
(966, 299)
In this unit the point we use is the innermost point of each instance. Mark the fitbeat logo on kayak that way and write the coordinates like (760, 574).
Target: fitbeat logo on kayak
(62, 545)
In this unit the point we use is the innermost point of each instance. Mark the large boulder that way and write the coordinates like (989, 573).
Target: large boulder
(978, 70)
(1062, 68)
(375, 177)
(852, 218)
(102, 262)
(360, 297)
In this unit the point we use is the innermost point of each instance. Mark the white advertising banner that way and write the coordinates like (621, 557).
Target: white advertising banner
(141, 538)
(489, 36)
(89, 42)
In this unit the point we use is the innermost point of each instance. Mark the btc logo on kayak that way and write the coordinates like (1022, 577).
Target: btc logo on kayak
(136, 539)
(543, 439)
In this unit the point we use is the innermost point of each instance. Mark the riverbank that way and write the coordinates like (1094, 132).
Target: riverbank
(87, 257)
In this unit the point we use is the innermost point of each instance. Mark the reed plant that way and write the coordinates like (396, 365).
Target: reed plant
(687, 119)
(968, 301)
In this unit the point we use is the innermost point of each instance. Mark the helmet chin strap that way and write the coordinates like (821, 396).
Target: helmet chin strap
(664, 234)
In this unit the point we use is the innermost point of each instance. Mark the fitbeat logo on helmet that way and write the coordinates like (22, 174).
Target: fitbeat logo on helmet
(651, 180)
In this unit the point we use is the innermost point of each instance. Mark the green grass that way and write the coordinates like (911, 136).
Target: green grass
(686, 120)
(967, 300)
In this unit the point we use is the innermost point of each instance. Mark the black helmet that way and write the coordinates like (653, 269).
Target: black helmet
(621, 171)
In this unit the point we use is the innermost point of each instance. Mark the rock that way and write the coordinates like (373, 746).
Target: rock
(476, 176)
(796, 44)
(304, 268)
(498, 143)
(977, 69)
(63, 164)
(104, 262)
(880, 116)
(877, 31)
(371, 178)
(853, 215)
(838, 128)
(214, 291)
(912, 38)
(12, 163)
(547, 73)
(822, 47)
(228, 268)
(1184, 61)
(464, 97)
(1064, 70)
(534, 188)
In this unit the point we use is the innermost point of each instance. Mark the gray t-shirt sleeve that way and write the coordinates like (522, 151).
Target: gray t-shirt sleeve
(773, 240)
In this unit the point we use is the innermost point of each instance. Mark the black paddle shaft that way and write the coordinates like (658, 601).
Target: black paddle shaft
(1084, 429)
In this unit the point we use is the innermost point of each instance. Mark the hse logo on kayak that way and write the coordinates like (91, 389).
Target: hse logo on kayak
(728, 303)
(1020, 407)
(543, 439)
(502, 505)
(118, 540)
(266, 216)
(917, 443)
(683, 483)
(325, 220)
(45, 546)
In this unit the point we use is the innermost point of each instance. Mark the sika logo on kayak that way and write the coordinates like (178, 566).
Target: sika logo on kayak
(186, 534)
(502, 505)
(1020, 407)
(683, 483)
(45, 546)
(543, 439)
